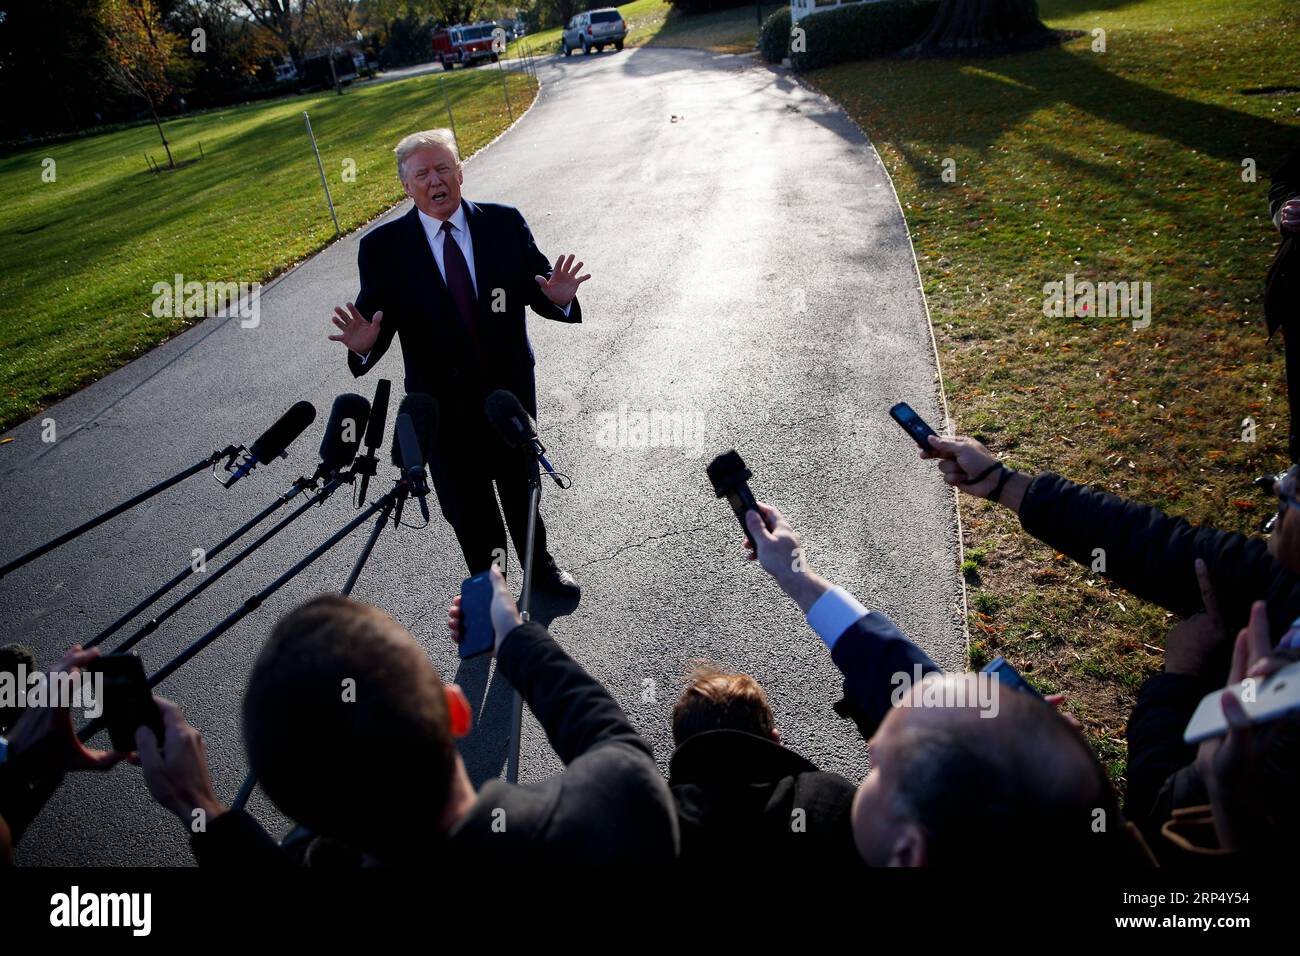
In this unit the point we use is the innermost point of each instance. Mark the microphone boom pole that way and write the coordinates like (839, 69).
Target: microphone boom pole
(302, 484)
(154, 623)
(230, 451)
(252, 603)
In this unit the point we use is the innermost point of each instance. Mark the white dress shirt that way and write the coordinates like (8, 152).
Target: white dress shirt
(834, 613)
(437, 238)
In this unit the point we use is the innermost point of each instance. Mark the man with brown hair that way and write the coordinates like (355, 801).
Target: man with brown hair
(740, 794)
(351, 732)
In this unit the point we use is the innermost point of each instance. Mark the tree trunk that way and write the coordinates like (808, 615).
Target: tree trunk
(977, 26)
(334, 74)
(171, 163)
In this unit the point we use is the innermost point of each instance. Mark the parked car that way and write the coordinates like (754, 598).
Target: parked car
(466, 44)
(594, 30)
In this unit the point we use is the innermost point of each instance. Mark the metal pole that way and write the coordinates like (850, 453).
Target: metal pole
(525, 609)
(451, 120)
(504, 89)
(321, 167)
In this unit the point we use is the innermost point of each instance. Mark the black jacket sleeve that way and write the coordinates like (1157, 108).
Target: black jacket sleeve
(871, 655)
(1155, 740)
(611, 803)
(372, 299)
(235, 839)
(1151, 554)
(576, 712)
(539, 265)
(21, 797)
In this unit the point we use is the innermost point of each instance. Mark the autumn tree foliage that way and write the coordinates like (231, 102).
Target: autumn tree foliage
(141, 54)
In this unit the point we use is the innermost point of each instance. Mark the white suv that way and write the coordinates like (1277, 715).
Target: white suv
(594, 30)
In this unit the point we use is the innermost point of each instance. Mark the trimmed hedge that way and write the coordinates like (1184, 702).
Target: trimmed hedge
(861, 31)
(774, 37)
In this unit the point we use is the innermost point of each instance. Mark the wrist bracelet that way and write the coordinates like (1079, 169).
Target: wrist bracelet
(983, 474)
(1002, 483)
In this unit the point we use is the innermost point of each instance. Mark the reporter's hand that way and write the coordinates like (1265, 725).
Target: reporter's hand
(504, 611)
(1228, 764)
(1290, 224)
(1195, 645)
(177, 773)
(781, 555)
(354, 331)
(963, 458)
(42, 741)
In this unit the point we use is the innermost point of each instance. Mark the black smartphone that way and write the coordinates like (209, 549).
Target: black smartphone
(913, 424)
(128, 702)
(1008, 675)
(476, 635)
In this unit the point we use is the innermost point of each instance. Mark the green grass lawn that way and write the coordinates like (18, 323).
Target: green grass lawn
(80, 255)
(1117, 166)
(655, 23)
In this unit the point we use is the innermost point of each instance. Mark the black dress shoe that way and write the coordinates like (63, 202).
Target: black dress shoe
(555, 580)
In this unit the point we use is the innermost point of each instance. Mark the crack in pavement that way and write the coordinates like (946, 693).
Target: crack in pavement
(642, 543)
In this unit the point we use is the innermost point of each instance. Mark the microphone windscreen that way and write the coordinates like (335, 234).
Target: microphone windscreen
(374, 435)
(343, 431)
(515, 426)
(727, 471)
(422, 409)
(272, 442)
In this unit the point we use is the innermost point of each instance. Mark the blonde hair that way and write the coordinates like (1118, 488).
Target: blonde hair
(716, 699)
(424, 139)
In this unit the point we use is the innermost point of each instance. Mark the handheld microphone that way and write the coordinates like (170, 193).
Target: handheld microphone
(342, 438)
(374, 435)
(272, 443)
(415, 427)
(516, 427)
(730, 480)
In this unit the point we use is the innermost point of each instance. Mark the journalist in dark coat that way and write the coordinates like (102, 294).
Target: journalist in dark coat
(1153, 556)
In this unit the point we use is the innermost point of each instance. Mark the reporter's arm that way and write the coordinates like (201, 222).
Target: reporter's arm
(1153, 555)
(576, 711)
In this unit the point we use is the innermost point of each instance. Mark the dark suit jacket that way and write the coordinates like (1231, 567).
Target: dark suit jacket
(1282, 287)
(400, 278)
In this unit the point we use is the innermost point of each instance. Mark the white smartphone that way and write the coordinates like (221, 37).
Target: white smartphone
(1262, 701)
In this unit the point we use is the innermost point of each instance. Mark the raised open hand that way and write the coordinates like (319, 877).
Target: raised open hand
(354, 331)
(563, 284)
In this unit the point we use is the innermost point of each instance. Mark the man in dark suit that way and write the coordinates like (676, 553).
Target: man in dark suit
(957, 776)
(451, 279)
(1282, 287)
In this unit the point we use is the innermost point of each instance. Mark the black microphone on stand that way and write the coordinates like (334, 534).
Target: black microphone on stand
(374, 437)
(272, 443)
(516, 427)
(416, 425)
(343, 431)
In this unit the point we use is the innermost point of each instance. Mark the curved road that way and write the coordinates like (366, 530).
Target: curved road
(753, 277)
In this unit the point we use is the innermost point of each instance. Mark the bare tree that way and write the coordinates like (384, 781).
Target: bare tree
(141, 53)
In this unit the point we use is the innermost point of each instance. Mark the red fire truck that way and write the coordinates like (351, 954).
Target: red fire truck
(468, 44)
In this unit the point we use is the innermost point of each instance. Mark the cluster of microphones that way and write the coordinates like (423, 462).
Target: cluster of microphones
(349, 454)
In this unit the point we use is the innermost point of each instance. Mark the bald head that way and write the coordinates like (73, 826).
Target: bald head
(958, 774)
